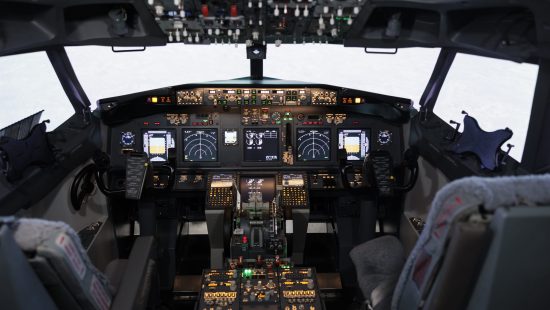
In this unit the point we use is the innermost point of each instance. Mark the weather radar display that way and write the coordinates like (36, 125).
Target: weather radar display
(200, 145)
(313, 144)
(355, 141)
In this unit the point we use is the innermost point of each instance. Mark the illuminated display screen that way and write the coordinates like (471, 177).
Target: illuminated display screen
(355, 141)
(260, 189)
(313, 144)
(200, 145)
(261, 144)
(230, 137)
(156, 144)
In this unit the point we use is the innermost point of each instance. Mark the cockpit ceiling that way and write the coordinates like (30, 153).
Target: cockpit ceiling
(492, 28)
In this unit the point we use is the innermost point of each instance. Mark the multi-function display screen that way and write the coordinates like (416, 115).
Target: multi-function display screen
(355, 141)
(261, 144)
(200, 145)
(313, 144)
(257, 189)
(156, 144)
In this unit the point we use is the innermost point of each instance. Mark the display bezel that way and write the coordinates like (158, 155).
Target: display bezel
(368, 133)
(147, 130)
(195, 129)
(244, 151)
(230, 129)
(309, 129)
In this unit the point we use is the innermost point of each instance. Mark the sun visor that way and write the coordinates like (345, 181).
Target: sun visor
(499, 29)
(27, 26)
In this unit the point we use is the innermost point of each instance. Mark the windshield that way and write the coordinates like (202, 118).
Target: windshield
(498, 93)
(28, 84)
(103, 73)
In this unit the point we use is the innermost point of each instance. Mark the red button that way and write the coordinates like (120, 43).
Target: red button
(204, 10)
(233, 10)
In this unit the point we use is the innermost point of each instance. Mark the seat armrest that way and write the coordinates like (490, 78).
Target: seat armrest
(135, 274)
(381, 296)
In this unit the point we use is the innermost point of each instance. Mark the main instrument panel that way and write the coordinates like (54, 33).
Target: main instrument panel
(220, 126)
(256, 159)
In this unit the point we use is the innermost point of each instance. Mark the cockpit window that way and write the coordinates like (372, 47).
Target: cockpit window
(103, 73)
(498, 93)
(404, 74)
(28, 84)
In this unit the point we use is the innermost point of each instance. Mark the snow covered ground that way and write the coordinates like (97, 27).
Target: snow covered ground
(498, 93)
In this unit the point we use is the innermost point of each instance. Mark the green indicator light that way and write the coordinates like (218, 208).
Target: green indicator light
(343, 18)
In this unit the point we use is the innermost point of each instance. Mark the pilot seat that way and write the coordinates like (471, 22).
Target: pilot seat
(484, 246)
(44, 266)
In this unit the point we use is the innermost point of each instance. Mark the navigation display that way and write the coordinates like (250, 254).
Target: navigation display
(261, 144)
(313, 144)
(156, 144)
(355, 141)
(200, 145)
(257, 189)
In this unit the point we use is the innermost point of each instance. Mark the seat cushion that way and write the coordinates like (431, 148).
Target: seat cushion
(377, 261)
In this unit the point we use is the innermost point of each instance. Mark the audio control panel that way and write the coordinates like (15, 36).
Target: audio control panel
(284, 288)
(299, 289)
(219, 289)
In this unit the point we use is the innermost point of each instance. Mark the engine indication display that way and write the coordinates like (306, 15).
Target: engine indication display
(313, 144)
(200, 145)
(156, 144)
(355, 141)
(261, 144)
(257, 189)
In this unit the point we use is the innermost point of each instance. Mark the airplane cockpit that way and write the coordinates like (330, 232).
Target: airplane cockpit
(266, 193)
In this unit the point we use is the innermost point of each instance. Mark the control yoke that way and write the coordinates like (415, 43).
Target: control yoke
(377, 172)
(139, 176)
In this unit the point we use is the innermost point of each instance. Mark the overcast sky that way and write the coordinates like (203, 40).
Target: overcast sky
(498, 93)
